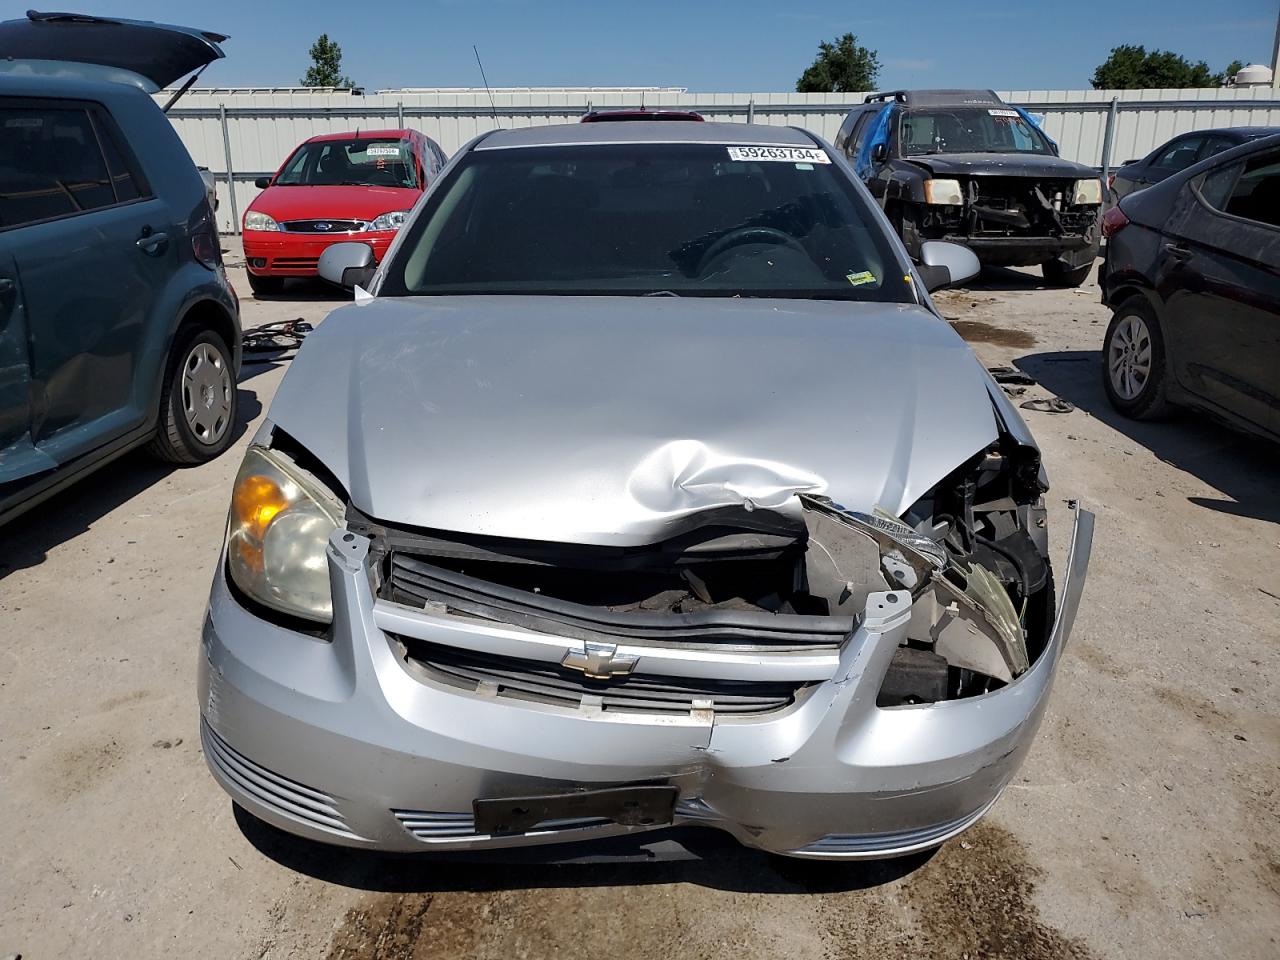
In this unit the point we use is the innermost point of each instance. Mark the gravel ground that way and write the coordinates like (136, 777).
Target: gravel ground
(1143, 824)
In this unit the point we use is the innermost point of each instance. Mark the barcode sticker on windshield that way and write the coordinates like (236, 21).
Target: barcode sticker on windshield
(1003, 113)
(780, 154)
(387, 151)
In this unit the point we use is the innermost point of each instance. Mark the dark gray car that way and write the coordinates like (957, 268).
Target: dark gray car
(1178, 154)
(117, 324)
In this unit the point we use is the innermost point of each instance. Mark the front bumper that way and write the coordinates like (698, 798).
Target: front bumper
(335, 740)
(270, 253)
(1073, 249)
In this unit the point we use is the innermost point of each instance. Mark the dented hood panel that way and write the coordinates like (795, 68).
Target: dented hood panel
(621, 420)
(1000, 165)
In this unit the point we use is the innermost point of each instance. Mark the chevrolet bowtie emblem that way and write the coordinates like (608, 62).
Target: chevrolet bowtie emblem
(599, 661)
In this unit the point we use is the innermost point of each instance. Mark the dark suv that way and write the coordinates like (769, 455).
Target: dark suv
(964, 166)
(117, 324)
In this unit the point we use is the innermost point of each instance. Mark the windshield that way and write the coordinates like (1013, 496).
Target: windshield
(368, 163)
(969, 130)
(649, 219)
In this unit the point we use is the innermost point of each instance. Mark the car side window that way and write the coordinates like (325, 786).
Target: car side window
(52, 165)
(125, 178)
(1256, 194)
(857, 133)
(1179, 155)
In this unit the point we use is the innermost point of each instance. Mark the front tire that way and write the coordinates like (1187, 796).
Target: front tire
(265, 286)
(1135, 370)
(1057, 274)
(198, 402)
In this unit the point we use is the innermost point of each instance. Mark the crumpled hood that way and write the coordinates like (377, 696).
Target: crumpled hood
(620, 420)
(1001, 165)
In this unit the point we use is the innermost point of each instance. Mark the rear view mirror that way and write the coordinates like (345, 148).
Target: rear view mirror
(347, 265)
(944, 264)
(880, 152)
(262, 183)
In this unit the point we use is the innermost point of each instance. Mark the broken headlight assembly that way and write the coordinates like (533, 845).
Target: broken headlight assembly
(972, 552)
(278, 534)
(943, 192)
(1087, 192)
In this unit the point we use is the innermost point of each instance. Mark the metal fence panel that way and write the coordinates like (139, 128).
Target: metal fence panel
(263, 126)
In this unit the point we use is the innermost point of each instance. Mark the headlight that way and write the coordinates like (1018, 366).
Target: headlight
(943, 191)
(1087, 191)
(390, 221)
(253, 220)
(281, 519)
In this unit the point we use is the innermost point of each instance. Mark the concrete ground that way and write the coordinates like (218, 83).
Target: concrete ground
(1144, 823)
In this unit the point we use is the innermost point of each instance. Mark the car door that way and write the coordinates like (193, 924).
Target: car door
(1221, 286)
(19, 457)
(90, 246)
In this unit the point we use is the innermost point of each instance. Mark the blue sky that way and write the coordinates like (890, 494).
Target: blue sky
(706, 46)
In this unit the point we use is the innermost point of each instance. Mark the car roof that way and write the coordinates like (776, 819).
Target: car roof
(647, 131)
(958, 97)
(362, 135)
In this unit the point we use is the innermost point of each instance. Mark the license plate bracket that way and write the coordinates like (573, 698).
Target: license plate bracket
(650, 805)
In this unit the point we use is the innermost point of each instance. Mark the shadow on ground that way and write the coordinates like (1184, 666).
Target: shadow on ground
(1244, 468)
(710, 859)
(306, 290)
(27, 540)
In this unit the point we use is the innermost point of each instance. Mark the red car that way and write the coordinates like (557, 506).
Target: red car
(334, 187)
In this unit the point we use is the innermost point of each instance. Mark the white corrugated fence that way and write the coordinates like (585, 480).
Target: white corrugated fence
(251, 132)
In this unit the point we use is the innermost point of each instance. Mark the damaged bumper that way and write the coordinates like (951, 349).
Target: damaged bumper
(339, 739)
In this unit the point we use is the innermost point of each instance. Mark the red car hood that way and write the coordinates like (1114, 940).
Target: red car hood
(338, 203)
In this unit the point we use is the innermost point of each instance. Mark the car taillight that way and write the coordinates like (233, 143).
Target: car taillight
(205, 246)
(1113, 221)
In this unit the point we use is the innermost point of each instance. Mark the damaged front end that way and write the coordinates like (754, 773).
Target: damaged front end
(1013, 220)
(743, 610)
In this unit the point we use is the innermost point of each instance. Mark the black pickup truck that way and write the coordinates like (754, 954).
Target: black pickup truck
(965, 166)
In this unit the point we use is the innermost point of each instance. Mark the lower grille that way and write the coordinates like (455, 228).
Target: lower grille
(435, 827)
(303, 263)
(284, 796)
(543, 682)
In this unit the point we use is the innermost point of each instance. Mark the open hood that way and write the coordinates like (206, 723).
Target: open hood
(157, 52)
(620, 421)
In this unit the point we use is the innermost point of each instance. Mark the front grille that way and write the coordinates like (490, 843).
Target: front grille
(416, 582)
(322, 226)
(284, 796)
(542, 682)
(435, 827)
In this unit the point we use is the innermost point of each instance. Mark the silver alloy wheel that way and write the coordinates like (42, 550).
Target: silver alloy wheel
(206, 393)
(1129, 357)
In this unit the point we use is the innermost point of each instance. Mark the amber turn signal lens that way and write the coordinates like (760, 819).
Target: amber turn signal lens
(256, 500)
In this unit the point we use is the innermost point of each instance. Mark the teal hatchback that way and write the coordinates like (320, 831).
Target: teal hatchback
(118, 327)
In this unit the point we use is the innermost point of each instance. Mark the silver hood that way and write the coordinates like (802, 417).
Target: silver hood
(616, 420)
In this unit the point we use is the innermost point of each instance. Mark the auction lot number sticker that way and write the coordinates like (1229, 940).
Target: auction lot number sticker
(780, 154)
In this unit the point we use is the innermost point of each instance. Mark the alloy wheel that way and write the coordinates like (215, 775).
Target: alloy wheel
(1129, 357)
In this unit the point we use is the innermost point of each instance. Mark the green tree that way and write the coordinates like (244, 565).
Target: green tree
(326, 65)
(1131, 67)
(841, 67)
(1234, 67)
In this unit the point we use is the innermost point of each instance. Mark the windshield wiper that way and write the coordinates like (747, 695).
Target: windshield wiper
(660, 293)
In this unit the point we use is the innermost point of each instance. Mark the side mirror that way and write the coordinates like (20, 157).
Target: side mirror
(262, 183)
(943, 264)
(1127, 162)
(880, 152)
(347, 265)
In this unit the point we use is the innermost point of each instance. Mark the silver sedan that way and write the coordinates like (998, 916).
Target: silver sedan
(641, 487)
